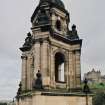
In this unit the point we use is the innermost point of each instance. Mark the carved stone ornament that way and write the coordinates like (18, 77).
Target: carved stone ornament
(28, 43)
(38, 81)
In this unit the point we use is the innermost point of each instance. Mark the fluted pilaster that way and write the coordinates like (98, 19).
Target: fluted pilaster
(44, 63)
(78, 68)
(29, 72)
(71, 72)
(24, 72)
(37, 58)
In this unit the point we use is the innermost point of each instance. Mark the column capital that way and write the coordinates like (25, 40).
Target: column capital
(76, 51)
(24, 57)
(41, 40)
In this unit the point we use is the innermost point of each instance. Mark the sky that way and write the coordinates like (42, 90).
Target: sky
(89, 17)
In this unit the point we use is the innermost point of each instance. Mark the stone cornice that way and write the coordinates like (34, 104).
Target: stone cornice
(41, 40)
(24, 57)
(23, 49)
(64, 94)
(66, 40)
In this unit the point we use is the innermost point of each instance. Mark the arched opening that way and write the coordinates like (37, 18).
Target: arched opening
(58, 25)
(59, 67)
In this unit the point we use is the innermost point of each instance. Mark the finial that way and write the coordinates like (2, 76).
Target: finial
(28, 34)
(38, 74)
(19, 89)
(38, 82)
(73, 27)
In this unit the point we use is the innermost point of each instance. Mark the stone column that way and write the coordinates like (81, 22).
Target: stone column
(44, 63)
(53, 19)
(78, 68)
(66, 69)
(74, 69)
(24, 72)
(44, 58)
(29, 73)
(37, 60)
(52, 75)
(71, 70)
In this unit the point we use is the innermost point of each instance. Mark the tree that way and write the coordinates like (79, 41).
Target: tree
(99, 98)
(3, 103)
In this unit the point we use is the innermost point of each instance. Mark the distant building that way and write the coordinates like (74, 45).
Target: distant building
(94, 76)
(103, 79)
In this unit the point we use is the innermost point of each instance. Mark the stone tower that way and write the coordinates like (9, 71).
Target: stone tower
(50, 56)
(51, 48)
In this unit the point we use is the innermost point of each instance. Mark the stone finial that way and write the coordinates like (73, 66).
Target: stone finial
(73, 27)
(28, 40)
(74, 31)
(19, 89)
(38, 82)
(28, 43)
(73, 35)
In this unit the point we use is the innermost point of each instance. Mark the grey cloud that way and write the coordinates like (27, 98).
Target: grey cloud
(89, 17)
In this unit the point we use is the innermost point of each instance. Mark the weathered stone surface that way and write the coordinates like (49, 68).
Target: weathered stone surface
(51, 51)
(53, 98)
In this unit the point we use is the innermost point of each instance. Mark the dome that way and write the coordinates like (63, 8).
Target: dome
(56, 2)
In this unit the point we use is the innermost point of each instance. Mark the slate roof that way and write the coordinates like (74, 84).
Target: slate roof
(57, 2)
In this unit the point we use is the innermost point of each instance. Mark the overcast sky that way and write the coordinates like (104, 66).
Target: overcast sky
(15, 15)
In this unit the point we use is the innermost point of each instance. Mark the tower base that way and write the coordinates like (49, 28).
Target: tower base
(53, 98)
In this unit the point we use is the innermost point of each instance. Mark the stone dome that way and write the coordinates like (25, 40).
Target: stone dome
(56, 2)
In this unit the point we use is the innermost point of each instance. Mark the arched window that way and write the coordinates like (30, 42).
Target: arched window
(59, 67)
(58, 25)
